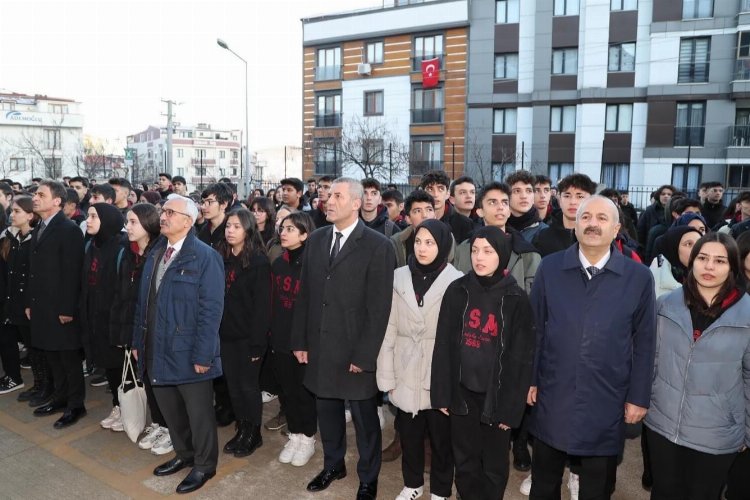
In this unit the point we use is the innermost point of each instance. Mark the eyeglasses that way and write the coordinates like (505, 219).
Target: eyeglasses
(208, 202)
(169, 212)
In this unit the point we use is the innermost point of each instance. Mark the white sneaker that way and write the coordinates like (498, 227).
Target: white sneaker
(305, 450)
(348, 415)
(267, 396)
(573, 486)
(410, 493)
(525, 488)
(150, 435)
(381, 417)
(117, 426)
(113, 417)
(163, 445)
(290, 448)
(435, 497)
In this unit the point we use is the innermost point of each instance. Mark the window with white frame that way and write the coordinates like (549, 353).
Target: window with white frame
(565, 61)
(504, 121)
(180, 153)
(616, 175)
(506, 11)
(18, 164)
(375, 52)
(623, 5)
(7, 105)
(58, 109)
(697, 9)
(181, 171)
(566, 8)
(621, 57)
(558, 171)
(506, 66)
(52, 138)
(619, 118)
(686, 177)
(222, 154)
(563, 119)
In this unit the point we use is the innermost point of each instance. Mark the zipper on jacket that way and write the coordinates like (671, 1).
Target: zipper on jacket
(502, 344)
(684, 387)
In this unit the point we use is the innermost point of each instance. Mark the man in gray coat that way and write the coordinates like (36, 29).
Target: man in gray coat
(339, 323)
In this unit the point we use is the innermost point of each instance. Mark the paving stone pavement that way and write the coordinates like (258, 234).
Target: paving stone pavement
(86, 461)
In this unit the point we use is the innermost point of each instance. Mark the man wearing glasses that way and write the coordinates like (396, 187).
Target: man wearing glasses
(176, 339)
(215, 200)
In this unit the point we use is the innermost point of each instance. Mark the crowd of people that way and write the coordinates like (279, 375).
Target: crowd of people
(526, 323)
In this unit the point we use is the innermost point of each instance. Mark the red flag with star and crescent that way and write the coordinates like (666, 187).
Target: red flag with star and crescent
(430, 73)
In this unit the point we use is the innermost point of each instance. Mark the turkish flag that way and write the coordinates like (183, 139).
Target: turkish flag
(430, 73)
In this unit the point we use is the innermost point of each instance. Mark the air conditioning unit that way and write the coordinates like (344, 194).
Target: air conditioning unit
(364, 69)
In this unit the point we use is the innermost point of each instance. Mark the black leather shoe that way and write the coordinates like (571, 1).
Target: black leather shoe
(174, 465)
(41, 398)
(49, 409)
(521, 456)
(325, 478)
(70, 417)
(28, 394)
(224, 416)
(367, 491)
(194, 481)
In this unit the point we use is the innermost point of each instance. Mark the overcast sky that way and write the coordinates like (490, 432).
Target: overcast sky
(119, 58)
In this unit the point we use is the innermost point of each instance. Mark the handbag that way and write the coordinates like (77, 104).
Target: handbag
(133, 403)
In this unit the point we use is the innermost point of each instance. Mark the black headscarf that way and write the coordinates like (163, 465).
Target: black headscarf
(669, 248)
(502, 245)
(111, 224)
(423, 276)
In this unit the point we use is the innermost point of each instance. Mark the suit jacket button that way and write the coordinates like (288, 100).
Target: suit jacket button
(325, 304)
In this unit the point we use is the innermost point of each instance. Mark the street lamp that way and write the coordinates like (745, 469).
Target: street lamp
(224, 45)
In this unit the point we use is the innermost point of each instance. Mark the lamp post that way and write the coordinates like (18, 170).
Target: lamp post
(243, 164)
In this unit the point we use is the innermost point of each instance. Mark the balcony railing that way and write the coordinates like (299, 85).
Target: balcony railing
(420, 167)
(427, 115)
(739, 136)
(692, 73)
(689, 136)
(742, 68)
(323, 73)
(416, 62)
(328, 120)
(326, 167)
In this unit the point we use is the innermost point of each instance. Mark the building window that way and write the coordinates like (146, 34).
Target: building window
(622, 57)
(563, 119)
(686, 177)
(53, 167)
(222, 154)
(180, 153)
(696, 9)
(691, 124)
(373, 103)
(52, 138)
(327, 156)
(7, 106)
(58, 109)
(504, 121)
(506, 11)
(623, 5)
(501, 170)
(222, 172)
(695, 54)
(18, 164)
(186, 134)
(740, 132)
(329, 64)
(375, 52)
(566, 8)
(235, 155)
(425, 156)
(427, 105)
(564, 61)
(558, 171)
(200, 153)
(506, 66)
(328, 112)
(427, 47)
(616, 175)
(739, 176)
(181, 171)
(372, 151)
(619, 118)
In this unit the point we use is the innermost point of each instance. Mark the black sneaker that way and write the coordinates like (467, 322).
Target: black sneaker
(98, 381)
(7, 385)
(276, 423)
(25, 363)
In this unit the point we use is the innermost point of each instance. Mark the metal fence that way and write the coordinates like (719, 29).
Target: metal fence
(640, 196)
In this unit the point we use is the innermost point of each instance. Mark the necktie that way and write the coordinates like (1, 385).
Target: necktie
(42, 227)
(168, 254)
(593, 270)
(336, 247)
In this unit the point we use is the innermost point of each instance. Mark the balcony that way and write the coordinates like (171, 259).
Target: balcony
(692, 73)
(689, 136)
(742, 69)
(323, 73)
(421, 167)
(416, 62)
(328, 120)
(739, 136)
(427, 115)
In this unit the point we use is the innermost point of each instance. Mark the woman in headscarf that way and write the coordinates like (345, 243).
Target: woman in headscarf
(670, 266)
(481, 366)
(405, 359)
(104, 250)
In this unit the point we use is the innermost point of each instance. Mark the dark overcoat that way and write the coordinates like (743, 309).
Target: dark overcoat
(54, 285)
(342, 311)
(595, 351)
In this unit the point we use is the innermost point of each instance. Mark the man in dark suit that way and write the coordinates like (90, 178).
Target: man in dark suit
(52, 301)
(176, 339)
(339, 323)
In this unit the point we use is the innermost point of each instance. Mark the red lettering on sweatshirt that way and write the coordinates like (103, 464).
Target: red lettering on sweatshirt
(479, 328)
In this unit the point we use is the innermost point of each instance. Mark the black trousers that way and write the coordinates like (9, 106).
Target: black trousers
(189, 412)
(738, 482)
(9, 355)
(67, 375)
(596, 474)
(412, 430)
(683, 474)
(480, 451)
(333, 435)
(298, 402)
(153, 406)
(242, 376)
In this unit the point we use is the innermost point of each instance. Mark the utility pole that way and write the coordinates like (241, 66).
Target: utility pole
(170, 128)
